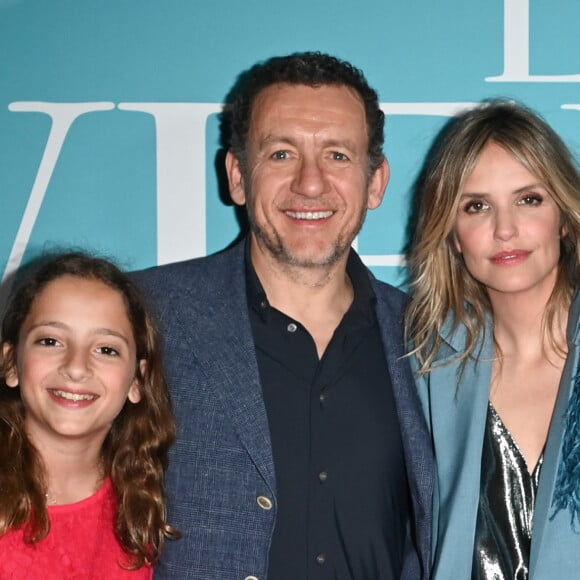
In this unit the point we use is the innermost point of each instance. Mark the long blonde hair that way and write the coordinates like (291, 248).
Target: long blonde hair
(440, 282)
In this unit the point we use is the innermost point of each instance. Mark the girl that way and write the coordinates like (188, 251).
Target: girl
(85, 426)
(495, 326)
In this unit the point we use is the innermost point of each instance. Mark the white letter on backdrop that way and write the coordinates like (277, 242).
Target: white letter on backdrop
(421, 109)
(516, 49)
(63, 116)
(572, 107)
(181, 182)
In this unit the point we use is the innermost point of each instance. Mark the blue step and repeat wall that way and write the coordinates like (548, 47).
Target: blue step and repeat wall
(109, 110)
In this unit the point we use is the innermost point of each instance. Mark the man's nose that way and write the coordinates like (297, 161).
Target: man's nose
(310, 178)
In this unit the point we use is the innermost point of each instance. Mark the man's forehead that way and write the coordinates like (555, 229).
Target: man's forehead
(327, 103)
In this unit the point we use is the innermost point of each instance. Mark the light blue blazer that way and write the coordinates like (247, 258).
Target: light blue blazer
(456, 416)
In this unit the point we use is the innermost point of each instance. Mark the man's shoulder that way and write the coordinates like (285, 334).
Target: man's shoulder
(385, 293)
(390, 294)
(194, 273)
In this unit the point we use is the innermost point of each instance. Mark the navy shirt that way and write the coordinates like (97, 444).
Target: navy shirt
(342, 492)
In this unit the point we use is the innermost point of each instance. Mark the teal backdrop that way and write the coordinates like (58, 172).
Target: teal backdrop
(109, 109)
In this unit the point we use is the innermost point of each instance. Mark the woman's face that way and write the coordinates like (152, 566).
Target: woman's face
(508, 227)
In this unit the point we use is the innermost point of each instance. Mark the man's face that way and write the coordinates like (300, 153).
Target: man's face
(306, 184)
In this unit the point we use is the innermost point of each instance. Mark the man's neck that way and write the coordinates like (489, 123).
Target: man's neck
(316, 297)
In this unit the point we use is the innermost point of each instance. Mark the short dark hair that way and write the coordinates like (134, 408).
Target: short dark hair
(312, 69)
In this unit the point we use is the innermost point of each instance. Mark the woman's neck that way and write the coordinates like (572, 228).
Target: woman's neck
(520, 328)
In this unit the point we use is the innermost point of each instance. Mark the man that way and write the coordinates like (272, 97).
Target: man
(302, 452)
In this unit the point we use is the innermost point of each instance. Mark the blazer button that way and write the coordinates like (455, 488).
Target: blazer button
(265, 503)
(251, 578)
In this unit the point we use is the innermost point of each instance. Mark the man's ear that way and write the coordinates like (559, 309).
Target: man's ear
(235, 179)
(9, 363)
(378, 185)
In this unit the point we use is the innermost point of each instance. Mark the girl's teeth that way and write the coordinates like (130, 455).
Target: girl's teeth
(74, 396)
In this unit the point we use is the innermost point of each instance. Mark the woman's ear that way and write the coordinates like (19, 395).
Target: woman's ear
(456, 243)
(9, 363)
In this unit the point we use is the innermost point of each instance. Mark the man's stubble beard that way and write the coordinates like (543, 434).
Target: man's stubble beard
(284, 256)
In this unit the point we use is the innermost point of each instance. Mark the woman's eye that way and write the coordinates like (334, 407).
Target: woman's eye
(474, 206)
(531, 199)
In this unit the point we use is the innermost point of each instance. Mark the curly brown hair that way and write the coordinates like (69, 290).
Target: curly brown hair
(135, 450)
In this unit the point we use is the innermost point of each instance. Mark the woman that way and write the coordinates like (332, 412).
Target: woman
(494, 327)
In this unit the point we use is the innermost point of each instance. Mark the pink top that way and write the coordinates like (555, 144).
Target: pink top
(81, 545)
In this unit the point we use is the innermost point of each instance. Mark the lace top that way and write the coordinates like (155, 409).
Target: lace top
(81, 545)
(506, 506)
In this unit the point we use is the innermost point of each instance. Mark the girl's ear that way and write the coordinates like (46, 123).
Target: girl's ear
(134, 394)
(9, 362)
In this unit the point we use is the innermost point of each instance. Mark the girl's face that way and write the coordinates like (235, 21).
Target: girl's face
(75, 361)
(508, 227)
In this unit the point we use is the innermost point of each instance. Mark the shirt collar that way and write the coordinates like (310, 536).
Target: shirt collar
(364, 295)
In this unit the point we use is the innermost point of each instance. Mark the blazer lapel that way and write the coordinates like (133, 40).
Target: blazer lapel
(416, 443)
(543, 510)
(458, 412)
(226, 354)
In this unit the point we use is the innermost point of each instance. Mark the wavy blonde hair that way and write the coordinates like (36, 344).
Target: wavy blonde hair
(440, 282)
(135, 450)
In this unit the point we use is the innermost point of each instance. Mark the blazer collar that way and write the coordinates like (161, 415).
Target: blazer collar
(544, 511)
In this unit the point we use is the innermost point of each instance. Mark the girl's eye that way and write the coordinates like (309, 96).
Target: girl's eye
(48, 341)
(108, 350)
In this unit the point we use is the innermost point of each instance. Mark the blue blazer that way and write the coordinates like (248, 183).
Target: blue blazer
(456, 414)
(221, 481)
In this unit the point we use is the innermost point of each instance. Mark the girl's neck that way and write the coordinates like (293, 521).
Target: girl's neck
(73, 472)
(70, 483)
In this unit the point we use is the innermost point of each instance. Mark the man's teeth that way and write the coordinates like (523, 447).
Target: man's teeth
(74, 396)
(309, 215)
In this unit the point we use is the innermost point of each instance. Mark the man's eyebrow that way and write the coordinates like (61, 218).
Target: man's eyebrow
(273, 138)
(341, 143)
(286, 140)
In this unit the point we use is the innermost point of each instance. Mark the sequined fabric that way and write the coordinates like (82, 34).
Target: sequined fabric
(506, 507)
